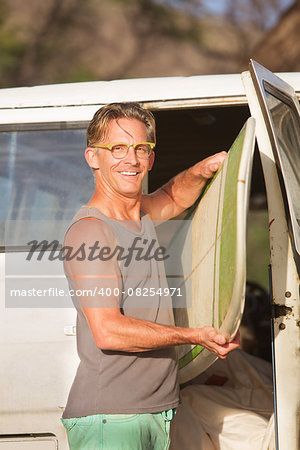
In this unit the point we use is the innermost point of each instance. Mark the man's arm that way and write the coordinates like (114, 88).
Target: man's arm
(114, 331)
(110, 328)
(182, 190)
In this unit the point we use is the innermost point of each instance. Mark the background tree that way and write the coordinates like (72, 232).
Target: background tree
(74, 40)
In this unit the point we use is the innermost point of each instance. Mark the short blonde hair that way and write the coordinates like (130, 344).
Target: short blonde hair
(98, 126)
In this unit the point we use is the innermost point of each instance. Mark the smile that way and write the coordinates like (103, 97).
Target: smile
(129, 173)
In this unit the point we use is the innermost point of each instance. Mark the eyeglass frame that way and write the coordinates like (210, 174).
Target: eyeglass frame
(110, 148)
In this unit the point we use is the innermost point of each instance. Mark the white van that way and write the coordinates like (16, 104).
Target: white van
(44, 180)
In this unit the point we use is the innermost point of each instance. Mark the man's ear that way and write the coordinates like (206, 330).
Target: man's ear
(151, 160)
(91, 158)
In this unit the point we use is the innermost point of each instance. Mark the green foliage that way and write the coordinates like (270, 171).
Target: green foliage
(165, 19)
(11, 50)
(80, 73)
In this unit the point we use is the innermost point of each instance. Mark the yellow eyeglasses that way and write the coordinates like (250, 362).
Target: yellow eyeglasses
(142, 150)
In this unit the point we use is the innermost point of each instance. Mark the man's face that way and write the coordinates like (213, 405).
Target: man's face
(123, 176)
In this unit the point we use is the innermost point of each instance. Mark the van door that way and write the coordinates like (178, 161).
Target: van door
(274, 105)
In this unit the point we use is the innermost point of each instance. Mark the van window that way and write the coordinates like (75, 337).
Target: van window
(43, 177)
(285, 120)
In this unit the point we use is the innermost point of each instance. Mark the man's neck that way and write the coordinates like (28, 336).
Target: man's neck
(117, 207)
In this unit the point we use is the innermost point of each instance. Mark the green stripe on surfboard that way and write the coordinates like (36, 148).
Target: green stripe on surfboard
(229, 224)
(215, 253)
(186, 359)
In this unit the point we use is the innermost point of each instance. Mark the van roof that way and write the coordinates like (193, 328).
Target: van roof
(145, 90)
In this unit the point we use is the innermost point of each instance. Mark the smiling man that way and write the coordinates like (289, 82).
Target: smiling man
(125, 391)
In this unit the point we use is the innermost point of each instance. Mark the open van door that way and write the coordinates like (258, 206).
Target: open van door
(275, 107)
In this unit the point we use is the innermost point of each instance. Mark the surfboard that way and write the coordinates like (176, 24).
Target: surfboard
(214, 285)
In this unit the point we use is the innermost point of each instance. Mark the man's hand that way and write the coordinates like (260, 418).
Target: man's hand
(216, 343)
(208, 166)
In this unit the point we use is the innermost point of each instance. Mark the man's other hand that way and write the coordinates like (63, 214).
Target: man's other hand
(217, 343)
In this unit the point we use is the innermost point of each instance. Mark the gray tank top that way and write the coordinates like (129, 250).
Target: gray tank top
(111, 382)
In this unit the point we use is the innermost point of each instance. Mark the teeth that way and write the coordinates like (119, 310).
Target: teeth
(129, 173)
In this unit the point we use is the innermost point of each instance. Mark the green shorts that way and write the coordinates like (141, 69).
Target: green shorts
(120, 431)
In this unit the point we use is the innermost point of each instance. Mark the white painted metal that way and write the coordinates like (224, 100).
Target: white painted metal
(285, 280)
(29, 443)
(143, 89)
(78, 101)
(38, 363)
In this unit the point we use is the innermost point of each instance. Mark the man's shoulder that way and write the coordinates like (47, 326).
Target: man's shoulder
(89, 224)
(87, 211)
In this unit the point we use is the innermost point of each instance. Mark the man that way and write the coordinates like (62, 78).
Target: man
(125, 390)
